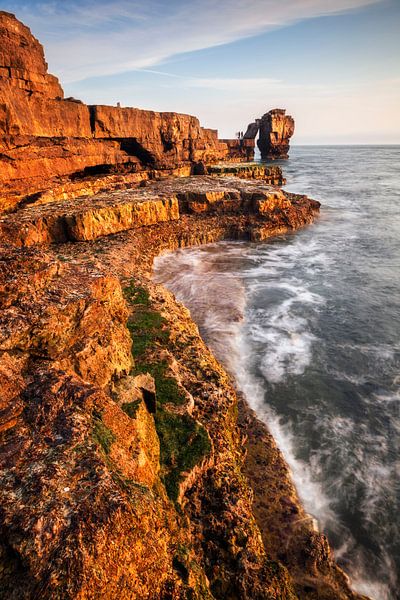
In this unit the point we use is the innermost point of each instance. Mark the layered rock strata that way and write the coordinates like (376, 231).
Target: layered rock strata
(271, 175)
(52, 145)
(264, 208)
(240, 149)
(276, 128)
(121, 455)
(44, 137)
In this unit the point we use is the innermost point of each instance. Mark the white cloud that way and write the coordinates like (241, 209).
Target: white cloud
(104, 38)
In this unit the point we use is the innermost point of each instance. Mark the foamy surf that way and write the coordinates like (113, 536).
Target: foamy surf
(308, 326)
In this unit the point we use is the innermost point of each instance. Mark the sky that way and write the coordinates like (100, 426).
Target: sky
(333, 64)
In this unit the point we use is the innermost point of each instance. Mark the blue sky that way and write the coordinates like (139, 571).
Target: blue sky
(333, 64)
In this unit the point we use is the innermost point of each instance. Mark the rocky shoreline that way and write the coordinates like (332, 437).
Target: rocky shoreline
(129, 466)
(124, 468)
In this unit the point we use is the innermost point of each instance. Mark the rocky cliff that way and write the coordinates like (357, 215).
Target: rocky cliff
(240, 149)
(44, 137)
(123, 465)
(51, 143)
(129, 467)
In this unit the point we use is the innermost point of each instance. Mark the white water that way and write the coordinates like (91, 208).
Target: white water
(309, 326)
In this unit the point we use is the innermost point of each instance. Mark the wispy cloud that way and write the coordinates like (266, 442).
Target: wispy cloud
(252, 84)
(87, 38)
(364, 111)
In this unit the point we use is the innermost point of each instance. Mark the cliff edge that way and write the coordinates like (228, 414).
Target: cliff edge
(44, 137)
(129, 467)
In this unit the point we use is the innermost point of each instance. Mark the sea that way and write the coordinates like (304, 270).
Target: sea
(308, 325)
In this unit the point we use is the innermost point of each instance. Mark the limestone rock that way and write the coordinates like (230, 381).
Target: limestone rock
(252, 130)
(276, 129)
(22, 64)
(158, 139)
(240, 149)
(271, 175)
(165, 201)
(43, 136)
(120, 456)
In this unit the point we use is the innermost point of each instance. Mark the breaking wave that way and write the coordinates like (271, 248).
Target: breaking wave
(308, 326)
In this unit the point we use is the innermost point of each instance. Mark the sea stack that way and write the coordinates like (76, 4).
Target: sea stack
(276, 128)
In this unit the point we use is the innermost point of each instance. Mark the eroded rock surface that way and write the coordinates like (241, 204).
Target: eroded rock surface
(122, 466)
(276, 128)
(265, 208)
(271, 175)
(106, 430)
(52, 144)
(121, 456)
(22, 60)
(43, 136)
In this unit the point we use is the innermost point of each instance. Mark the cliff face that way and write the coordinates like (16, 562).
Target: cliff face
(241, 150)
(22, 60)
(44, 137)
(121, 456)
(122, 465)
(51, 143)
(120, 453)
(276, 128)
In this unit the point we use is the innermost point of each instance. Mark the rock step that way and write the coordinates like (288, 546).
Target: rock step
(92, 217)
(81, 221)
(271, 175)
(66, 313)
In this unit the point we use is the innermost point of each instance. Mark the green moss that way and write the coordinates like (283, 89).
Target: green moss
(102, 435)
(147, 326)
(131, 408)
(183, 443)
(132, 488)
(167, 388)
(148, 331)
(276, 569)
(137, 295)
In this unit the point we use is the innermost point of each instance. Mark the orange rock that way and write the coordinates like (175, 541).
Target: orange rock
(276, 129)
(44, 136)
(22, 60)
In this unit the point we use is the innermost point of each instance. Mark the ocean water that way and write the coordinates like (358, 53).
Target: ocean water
(309, 326)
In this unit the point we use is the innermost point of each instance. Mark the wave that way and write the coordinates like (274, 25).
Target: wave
(308, 326)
